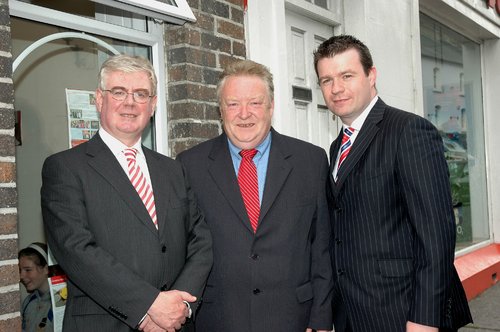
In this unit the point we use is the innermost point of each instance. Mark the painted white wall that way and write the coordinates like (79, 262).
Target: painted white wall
(395, 47)
(491, 79)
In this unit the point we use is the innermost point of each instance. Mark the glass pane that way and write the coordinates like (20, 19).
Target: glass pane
(453, 103)
(321, 3)
(47, 124)
(92, 10)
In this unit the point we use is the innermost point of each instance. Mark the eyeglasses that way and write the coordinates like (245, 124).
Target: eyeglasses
(139, 96)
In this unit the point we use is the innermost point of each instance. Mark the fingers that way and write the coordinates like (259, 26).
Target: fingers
(186, 296)
(168, 311)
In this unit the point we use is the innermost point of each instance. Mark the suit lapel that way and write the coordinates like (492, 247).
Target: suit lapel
(278, 170)
(105, 163)
(367, 133)
(334, 150)
(221, 169)
(158, 177)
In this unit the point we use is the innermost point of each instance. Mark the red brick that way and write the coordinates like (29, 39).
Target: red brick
(7, 172)
(8, 224)
(10, 302)
(9, 274)
(11, 325)
(8, 249)
(230, 29)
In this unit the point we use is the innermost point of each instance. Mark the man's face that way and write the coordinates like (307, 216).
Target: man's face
(125, 120)
(346, 88)
(246, 110)
(32, 276)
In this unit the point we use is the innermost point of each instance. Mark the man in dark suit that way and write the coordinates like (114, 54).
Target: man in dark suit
(132, 261)
(272, 268)
(392, 219)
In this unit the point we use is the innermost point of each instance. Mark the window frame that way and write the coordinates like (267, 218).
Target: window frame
(153, 39)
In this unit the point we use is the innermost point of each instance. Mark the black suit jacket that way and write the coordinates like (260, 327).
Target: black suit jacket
(280, 278)
(102, 236)
(394, 228)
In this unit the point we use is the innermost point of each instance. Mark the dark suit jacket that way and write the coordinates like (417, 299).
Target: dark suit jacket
(280, 278)
(394, 228)
(102, 236)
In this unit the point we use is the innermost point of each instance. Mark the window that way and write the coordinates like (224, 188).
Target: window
(451, 69)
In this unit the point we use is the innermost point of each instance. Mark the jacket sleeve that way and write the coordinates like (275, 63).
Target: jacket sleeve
(424, 184)
(321, 268)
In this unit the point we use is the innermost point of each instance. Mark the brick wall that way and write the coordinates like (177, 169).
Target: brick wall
(196, 54)
(9, 275)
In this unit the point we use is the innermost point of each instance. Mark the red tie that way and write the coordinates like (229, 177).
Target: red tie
(345, 147)
(249, 186)
(140, 184)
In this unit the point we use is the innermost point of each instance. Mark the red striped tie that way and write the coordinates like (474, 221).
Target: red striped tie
(140, 184)
(345, 147)
(249, 186)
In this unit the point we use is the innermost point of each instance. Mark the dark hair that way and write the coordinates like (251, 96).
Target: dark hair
(37, 251)
(340, 44)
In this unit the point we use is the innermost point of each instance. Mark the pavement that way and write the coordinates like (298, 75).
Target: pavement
(485, 309)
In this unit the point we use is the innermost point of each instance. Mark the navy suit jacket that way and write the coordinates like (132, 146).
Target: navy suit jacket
(394, 229)
(278, 279)
(104, 239)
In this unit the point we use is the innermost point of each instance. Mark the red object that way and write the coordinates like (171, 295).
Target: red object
(249, 186)
(140, 183)
(479, 269)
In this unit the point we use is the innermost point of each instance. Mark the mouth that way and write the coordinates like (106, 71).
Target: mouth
(245, 125)
(127, 115)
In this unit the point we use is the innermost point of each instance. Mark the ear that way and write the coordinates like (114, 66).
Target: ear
(372, 76)
(153, 102)
(46, 270)
(98, 99)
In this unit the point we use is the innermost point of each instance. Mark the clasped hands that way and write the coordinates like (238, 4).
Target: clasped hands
(168, 312)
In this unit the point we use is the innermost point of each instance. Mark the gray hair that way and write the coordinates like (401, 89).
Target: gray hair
(127, 64)
(247, 68)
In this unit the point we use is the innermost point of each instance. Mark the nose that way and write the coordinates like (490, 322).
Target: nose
(129, 99)
(337, 87)
(244, 112)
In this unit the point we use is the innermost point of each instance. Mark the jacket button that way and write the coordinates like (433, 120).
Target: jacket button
(163, 248)
(254, 257)
(338, 241)
(256, 291)
(340, 272)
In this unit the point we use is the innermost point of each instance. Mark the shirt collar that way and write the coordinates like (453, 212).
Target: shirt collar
(261, 148)
(358, 122)
(115, 145)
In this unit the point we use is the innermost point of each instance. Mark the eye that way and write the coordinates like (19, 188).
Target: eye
(142, 93)
(118, 92)
(325, 81)
(256, 103)
(347, 76)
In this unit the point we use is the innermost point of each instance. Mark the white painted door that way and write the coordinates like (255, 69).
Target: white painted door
(310, 120)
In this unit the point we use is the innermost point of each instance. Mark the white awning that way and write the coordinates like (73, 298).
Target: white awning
(175, 11)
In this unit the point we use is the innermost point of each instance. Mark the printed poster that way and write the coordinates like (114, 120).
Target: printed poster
(83, 118)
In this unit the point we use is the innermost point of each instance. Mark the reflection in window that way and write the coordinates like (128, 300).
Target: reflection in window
(451, 72)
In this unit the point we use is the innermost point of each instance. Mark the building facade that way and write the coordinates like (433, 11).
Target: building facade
(436, 58)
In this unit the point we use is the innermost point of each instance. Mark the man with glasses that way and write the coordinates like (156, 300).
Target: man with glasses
(120, 218)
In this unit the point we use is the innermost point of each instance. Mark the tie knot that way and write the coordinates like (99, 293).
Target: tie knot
(130, 153)
(349, 131)
(248, 153)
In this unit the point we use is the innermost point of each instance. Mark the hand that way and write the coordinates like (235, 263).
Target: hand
(168, 311)
(414, 327)
(148, 325)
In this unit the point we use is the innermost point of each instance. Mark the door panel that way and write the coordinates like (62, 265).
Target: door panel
(310, 120)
